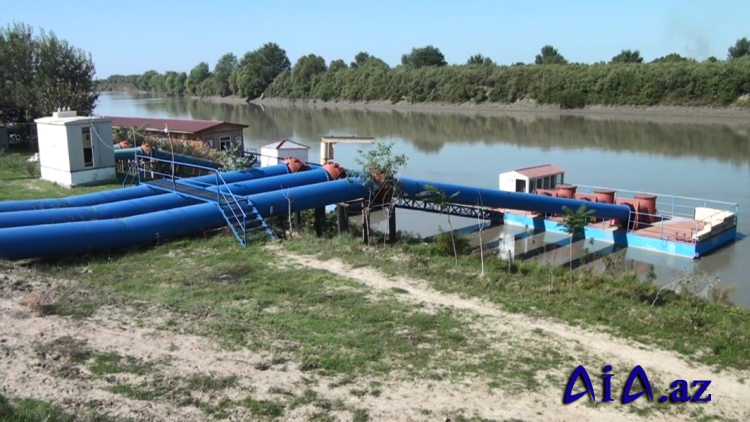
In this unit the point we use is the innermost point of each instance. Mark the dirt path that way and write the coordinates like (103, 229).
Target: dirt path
(728, 390)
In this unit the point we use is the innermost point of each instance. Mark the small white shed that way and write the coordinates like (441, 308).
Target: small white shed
(75, 150)
(529, 179)
(275, 153)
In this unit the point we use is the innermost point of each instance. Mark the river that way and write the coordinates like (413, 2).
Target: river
(692, 160)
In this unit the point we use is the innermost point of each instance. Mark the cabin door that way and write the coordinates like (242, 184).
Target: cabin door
(520, 185)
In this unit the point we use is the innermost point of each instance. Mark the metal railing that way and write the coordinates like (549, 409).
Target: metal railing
(671, 212)
(220, 182)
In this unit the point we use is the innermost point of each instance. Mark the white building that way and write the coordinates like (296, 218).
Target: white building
(275, 153)
(529, 179)
(75, 150)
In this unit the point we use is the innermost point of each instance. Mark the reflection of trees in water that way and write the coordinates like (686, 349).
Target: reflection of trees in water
(429, 132)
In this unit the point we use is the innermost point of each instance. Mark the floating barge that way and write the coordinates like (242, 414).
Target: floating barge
(675, 225)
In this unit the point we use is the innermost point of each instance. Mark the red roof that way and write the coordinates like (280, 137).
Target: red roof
(174, 125)
(540, 171)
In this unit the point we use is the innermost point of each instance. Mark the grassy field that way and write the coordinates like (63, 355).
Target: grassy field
(330, 329)
(19, 179)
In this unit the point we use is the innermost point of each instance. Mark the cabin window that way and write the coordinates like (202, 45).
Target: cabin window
(539, 184)
(546, 183)
(88, 151)
(210, 143)
(559, 178)
(225, 143)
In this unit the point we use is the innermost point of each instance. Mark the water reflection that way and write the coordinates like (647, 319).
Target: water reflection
(430, 132)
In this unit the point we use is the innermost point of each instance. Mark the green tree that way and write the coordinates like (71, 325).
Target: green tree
(670, 58)
(740, 49)
(222, 71)
(40, 72)
(479, 59)
(170, 78)
(360, 59)
(180, 84)
(628, 56)
(442, 200)
(380, 168)
(424, 56)
(306, 68)
(337, 65)
(257, 70)
(197, 75)
(574, 223)
(549, 55)
(143, 82)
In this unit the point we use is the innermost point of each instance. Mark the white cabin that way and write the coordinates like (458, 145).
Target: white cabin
(75, 150)
(276, 152)
(529, 179)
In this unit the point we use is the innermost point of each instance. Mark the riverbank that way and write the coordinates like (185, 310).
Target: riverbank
(730, 115)
(734, 116)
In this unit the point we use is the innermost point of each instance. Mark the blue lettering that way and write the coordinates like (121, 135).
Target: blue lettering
(682, 388)
(580, 371)
(608, 384)
(639, 373)
(703, 384)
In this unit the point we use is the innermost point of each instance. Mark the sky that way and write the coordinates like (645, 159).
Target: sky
(137, 35)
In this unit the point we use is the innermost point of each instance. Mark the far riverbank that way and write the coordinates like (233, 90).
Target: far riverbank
(732, 116)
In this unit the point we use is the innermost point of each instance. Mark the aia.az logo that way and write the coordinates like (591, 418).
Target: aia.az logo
(680, 392)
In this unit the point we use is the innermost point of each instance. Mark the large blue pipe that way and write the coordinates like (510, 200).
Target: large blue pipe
(182, 158)
(471, 196)
(129, 154)
(84, 200)
(159, 203)
(60, 239)
(267, 184)
(97, 212)
(142, 191)
(238, 176)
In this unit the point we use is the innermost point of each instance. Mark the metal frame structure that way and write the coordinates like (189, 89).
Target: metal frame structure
(483, 213)
(239, 213)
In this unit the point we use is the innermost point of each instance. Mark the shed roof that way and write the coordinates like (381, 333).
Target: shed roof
(55, 120)
(285, 144)
(540, 171)
(174, 125)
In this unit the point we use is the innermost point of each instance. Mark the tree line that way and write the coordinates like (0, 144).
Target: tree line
(40, 73)
(425, 76)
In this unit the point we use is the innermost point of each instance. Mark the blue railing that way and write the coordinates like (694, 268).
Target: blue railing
(220, 182)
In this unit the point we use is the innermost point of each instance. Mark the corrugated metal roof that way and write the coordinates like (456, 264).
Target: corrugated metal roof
(540, 171)
(285, 144)
(174, 125)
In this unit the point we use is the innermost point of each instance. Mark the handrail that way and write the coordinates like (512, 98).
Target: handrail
(218, 199)
(219, 192)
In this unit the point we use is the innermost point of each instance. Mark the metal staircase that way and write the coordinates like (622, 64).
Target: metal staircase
(239, 212)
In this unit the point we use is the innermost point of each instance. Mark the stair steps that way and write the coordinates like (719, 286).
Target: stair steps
(239, 212)
(246, 228)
